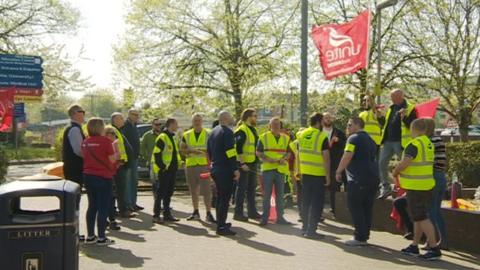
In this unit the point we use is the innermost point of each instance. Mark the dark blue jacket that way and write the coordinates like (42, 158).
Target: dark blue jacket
(221, 140)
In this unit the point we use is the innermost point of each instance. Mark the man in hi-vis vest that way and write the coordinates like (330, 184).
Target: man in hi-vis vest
(246, 137)
(416, 177)
(314, 161)
(395, 136)
(370, 117)
(165, 159)
(273, 151)
(194, 148)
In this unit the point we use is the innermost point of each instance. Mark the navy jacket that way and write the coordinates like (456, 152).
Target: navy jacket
(221, 140)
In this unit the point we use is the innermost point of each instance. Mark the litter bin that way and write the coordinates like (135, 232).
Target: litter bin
(39, 225)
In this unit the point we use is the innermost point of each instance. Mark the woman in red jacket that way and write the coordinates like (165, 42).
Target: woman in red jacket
(98, 171)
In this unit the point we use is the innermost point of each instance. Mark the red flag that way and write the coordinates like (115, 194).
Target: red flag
(427, 109)
(6, 109)
(343, 47)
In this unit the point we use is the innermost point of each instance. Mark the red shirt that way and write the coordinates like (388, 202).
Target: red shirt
(100, 147)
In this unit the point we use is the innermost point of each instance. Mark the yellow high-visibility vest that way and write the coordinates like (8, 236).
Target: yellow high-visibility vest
(200, 144)
(248, 148)
(167, 152)
(121, 144)
(275, 150)
(419, 174)
(310, 151)
(406, 136)
(372, 127)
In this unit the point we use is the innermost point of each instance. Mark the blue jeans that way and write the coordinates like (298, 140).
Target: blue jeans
(273, 178)
(435, 210)
(389, 149)
(99, 192)
(132, 183)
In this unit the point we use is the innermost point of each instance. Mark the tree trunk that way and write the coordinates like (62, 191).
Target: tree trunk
(465, 121)
(237, 97)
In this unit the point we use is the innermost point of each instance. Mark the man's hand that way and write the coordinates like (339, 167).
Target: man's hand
(327, 180)
(245, 168)
(236, 175)
(282, 161)
(402, 112)
(395, 173)
(339, 177)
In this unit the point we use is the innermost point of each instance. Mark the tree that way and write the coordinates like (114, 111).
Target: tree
(446, 34)
(100, 103)
(30, 27)
(215, 49)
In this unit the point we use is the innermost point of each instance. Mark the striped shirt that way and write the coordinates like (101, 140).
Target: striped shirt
(440, 161)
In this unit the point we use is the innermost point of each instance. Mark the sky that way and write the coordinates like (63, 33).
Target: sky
(101, 25)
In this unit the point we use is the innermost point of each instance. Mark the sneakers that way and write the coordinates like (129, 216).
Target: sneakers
(169, 217)
(314, 235)
(91, 240)
(210, 218)
(411, 250)
(81, 238)
(432, 254)
(137, 208)
(355, 243)
(194, 216)
(225, 231)
(105, 242)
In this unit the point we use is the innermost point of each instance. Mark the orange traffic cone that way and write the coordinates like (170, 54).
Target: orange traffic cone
(272, 217)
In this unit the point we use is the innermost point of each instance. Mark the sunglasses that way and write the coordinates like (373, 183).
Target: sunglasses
(81, 112)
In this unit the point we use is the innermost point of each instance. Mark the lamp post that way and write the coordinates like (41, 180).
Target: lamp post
(378, 9)
(304, 65)
(292, 90)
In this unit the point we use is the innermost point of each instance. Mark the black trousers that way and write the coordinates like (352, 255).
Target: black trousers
(164, 188)
(246, 187)
(360, 203)
(313, 197)
(223, 181)
(401, 206)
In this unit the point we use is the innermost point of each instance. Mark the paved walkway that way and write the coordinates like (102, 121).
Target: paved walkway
(194, 245)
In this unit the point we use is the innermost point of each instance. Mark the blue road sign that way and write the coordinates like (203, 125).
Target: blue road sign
(19, 109)
(21, 71)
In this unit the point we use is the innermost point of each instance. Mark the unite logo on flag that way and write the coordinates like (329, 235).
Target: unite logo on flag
(343, 47)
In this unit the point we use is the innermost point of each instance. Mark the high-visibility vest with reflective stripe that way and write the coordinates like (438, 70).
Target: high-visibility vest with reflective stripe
(167, 152)
(406, 136)
(372, 127)
(310, 144)
(275, 150)
(121, 144)
(200, 144)
(419, 174)
(248, 148)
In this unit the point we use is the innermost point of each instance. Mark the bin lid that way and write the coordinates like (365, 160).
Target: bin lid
(40, 177)
(24, 186)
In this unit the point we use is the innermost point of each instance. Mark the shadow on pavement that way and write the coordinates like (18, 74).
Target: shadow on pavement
(142, 222)
(386, 254)
(243, 236)
(111, 255)
(188, 230)
(127, 236)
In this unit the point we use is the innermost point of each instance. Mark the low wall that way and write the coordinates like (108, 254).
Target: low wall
(463, 227)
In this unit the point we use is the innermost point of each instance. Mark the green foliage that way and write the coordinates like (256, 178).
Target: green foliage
(3, 165)
(26, 153)
(338, 103)
(58, 147)
(101, 103)
(464, 160)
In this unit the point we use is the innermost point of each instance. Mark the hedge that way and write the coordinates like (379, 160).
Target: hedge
(3, 165)
(464, 160)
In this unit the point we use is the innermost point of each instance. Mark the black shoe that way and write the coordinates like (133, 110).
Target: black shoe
(127, 214)
(81, 238)
(432, 255)
(263, 222)
(105, 242)
(113, 226)
(210, 218)
(408, 236)
(169, 217)
(411, 250)
(157, 220)
(283, 221)
(321, 220)
(138, 208)
(228, 225)
(194, 216)
(255, 216)
(225, 232)
(314, 235)
(240, 218)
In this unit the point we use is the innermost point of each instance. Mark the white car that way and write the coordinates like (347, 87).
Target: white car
(473, 130)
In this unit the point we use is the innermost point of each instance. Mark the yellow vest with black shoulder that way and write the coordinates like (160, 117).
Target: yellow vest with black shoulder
(167, 152)
(274, 149)
(406, 136)
(310, 151)
(121, 144)
(248, 148)
(372, 127)
(419, 174)
(194, 144)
